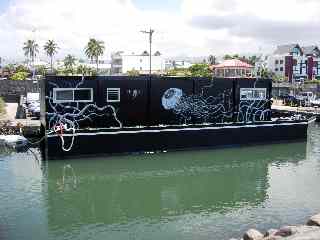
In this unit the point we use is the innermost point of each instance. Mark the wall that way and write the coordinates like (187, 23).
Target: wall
(161, 101)
(11, 90)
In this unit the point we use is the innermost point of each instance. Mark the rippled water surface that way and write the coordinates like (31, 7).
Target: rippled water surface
(216, 194)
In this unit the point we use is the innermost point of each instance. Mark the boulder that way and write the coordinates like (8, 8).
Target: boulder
(252, 234)
(285, 231)
(314, 221)
(293, 230)
(271, 232)
(309, 235)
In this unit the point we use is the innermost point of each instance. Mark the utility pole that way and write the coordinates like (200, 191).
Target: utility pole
(150, 32)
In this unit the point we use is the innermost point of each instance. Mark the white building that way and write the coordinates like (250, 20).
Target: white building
(122, 63)
(181, 64)
(104, 65)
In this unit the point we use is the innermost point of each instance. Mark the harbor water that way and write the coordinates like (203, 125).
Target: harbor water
(209, 194)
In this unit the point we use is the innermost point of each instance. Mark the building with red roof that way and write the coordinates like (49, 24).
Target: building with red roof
(232, 68)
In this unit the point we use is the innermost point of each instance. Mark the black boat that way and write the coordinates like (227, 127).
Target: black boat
(113, 114)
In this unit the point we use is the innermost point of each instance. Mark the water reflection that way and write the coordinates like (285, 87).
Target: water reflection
(161, 187)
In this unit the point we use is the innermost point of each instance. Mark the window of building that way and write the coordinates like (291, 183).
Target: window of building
(113, 94)
(276, 69)
(281, 69)
(253, 93)
(281, 61)
(277, 62)
(64, 95)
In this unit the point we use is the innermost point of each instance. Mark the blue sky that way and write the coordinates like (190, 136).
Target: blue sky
(3, 5)
(167, 5)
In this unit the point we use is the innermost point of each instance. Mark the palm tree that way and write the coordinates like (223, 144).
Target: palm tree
(94, 50)
(51, 49)
(31, 49)
(69, 62)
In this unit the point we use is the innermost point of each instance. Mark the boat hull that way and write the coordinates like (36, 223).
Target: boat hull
(166, 139)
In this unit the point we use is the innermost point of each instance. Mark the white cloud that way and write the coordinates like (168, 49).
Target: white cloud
(198, 28)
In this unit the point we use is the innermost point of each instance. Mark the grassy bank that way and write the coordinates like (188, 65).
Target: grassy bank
(2, 107)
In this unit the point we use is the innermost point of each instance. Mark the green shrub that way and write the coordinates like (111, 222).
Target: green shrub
(200, 70)
(312, 82)
(133, 73)
(19, 76)
(2, 107)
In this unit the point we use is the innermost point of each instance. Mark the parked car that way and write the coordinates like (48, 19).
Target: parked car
(315, 102)
(305, 98)
(289, 100)
(32, 105)
(34, 109)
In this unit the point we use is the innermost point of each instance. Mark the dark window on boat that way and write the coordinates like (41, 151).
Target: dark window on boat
(64, 95)
(113, 94)
(82, 95)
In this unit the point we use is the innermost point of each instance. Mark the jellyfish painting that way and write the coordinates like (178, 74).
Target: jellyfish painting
(194, 107)
(213, 109)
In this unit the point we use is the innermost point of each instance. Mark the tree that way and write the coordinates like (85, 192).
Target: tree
(212, 60)
(133, 73)
(21, 68)
(69, 62)
(200, 70)
(227, 57)
(31, 49)
(41, 70)
(19, 76)
(51, 49)
(84, 70)
(253, 59)
(94, 50)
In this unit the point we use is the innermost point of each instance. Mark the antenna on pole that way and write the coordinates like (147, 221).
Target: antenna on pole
(150, 33)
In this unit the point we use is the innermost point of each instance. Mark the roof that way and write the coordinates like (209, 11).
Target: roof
(283, 49)
(233, 63)
(310, 50)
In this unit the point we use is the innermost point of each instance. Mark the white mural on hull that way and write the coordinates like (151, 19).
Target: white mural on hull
(212, 109)
(66, 118)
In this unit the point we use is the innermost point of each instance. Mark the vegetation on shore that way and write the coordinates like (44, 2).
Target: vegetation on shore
(2, 107)
(196, 70)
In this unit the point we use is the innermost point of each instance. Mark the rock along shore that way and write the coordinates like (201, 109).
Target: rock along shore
(309, 231)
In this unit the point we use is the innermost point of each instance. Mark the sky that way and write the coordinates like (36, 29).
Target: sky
(182, 27)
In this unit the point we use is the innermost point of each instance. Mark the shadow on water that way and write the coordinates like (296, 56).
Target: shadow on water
(161, 187)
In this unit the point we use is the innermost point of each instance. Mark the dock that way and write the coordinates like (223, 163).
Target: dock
(305, 111)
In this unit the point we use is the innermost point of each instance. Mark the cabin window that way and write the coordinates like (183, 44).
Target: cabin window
(113, 94)
(253, 93)
(64, 95)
